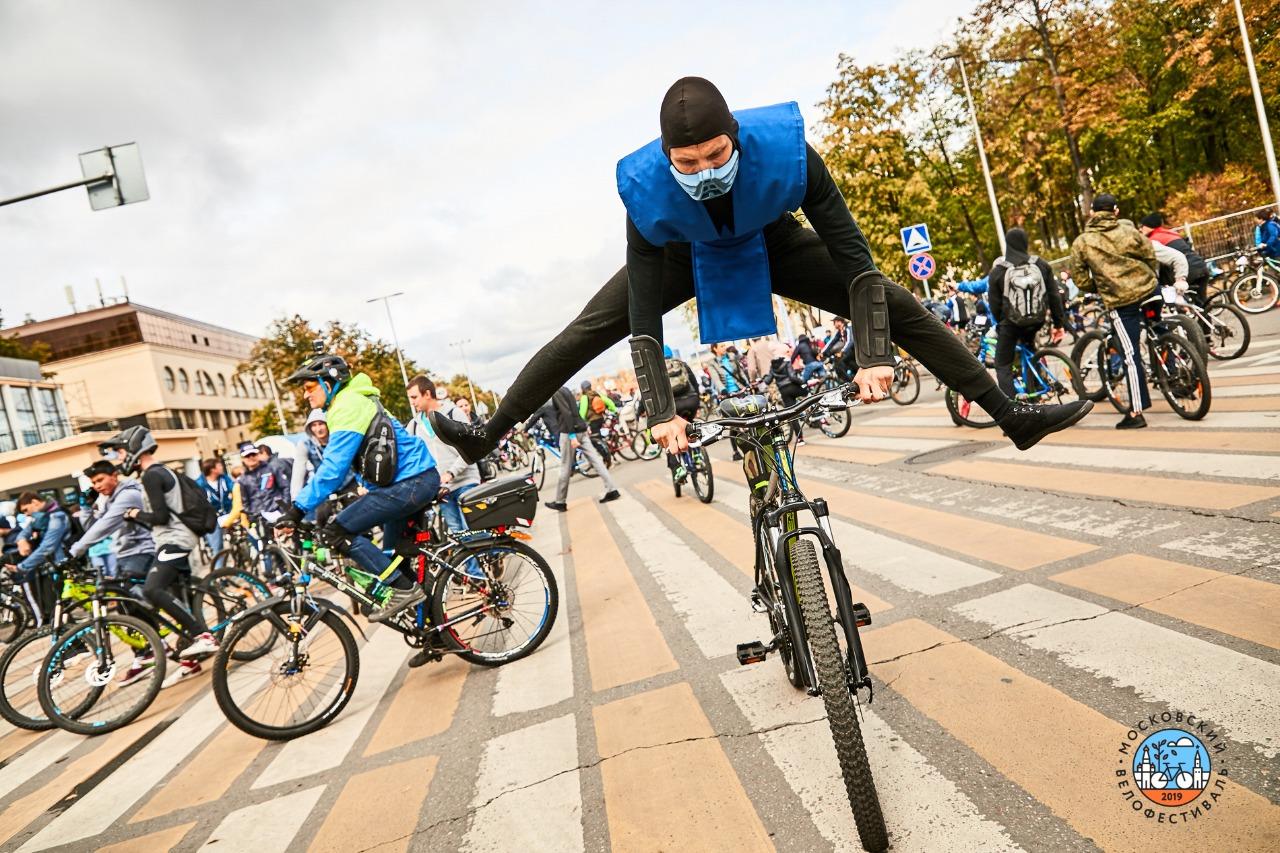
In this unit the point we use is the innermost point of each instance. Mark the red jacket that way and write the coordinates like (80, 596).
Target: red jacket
(1164, 236)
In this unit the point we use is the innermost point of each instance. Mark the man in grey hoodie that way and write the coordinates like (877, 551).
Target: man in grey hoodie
(456, 475)
(134, 548)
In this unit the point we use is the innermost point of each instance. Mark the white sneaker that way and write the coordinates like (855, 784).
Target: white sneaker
(184, 670)
(203, 644)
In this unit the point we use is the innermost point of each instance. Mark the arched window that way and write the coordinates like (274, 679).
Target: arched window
(169, 381)
(262, 389)
(207, 381)
(222, 385)
(183, 382)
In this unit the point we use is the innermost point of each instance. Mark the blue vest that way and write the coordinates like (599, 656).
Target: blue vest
(730, 267)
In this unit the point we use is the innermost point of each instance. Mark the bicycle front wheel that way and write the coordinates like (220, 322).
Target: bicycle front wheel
(1092, 381)
(906, 384)
(1255, 292)
(20, 679)
(842, 717)
(1228, 333)
(702, 475)
(538, 467)
(502, 606)
(1058, 377)
(83, 685)
(1182, 377)
(298, 686)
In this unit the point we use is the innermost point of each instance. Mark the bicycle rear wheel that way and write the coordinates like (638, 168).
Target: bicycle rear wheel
(538, 467)
(235, 592)
(1182, 377)
(1254, 292)
(299, 686)
(703, 477)
(832, 671)
(80, 688)
(15, 616)
(1060, 374)
(503, 616)
(20, 678)
(905, 389)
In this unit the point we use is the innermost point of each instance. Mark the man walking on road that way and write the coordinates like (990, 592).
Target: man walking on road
(569, 423)
(1020, 287)
(1113, 259)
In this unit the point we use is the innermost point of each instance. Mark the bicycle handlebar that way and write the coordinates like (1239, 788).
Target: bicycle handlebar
(707, 432)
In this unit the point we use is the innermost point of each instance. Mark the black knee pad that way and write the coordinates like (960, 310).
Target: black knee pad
(335, 537)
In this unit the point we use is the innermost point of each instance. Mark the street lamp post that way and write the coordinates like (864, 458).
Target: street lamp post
(395, 339)
(461, 345)
(1267, 147)
(982, 151)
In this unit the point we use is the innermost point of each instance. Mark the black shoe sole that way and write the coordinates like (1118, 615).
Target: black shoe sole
(1029, 443)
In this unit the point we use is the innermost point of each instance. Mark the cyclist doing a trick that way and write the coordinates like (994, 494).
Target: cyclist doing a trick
(709, 214)
(397, 469)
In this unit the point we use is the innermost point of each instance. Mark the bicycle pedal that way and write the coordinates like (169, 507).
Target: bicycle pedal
(757, 603)
(423, 657)
(861, 615)
(752, 652)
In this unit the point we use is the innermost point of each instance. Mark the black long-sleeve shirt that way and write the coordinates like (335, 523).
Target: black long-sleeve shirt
(823, 206)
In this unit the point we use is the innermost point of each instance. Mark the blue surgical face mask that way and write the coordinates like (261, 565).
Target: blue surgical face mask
(709, 183)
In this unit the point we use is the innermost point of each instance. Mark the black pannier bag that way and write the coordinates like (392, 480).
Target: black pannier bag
(509, 502)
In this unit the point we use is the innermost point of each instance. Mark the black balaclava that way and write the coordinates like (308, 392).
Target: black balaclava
(1015, 246)
(693, 111)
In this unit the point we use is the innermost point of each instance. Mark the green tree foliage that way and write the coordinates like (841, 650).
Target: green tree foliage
(288, 343)
(35, 350)
(1149, 101)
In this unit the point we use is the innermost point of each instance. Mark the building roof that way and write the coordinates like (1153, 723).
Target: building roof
(20, 368)
(111, 326)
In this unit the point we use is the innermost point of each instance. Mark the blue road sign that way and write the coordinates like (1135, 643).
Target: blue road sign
(915, 238)
(921, 266)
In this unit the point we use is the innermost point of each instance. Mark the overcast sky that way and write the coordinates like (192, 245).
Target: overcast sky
(303, 157)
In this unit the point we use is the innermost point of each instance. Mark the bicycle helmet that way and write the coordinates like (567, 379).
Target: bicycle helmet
(331, 371)
(132, 443)
(586, 385)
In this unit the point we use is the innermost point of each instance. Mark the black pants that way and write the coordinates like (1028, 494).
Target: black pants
(1008, 336)
(170, 563)
(800, 268)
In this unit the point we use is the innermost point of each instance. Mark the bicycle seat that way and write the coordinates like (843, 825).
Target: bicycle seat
(741, 407)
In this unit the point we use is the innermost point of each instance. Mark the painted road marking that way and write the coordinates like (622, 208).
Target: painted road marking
(623, 640)
(267, 827)
(667, 782)
(1152, 660)
(514, 813)
(1240, 606)
(377, 809)
(1237, 465)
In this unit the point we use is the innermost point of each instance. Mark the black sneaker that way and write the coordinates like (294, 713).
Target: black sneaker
(1026, 424)
(1132, 422)
(556, 505)
(610, 496)
(470, 441)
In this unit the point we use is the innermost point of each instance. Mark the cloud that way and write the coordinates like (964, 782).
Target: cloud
(304, 158)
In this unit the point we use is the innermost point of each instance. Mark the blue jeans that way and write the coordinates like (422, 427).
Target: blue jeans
(810, 369)
(391, 507)
(134, 566)
(451, 508)
(214, 539)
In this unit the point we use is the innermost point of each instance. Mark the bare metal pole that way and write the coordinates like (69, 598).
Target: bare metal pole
(275, 395)
(395, 339)
(98, 180)
(1267, 147)
(461, 345)
(982, 152)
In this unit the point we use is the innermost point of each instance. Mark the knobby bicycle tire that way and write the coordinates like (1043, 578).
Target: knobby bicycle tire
(1268, 285)
(1048, 356)
(1190, 330)
(1093, 384)
(1197, 373)
(1219, 343)
(72, 719)
(703, 479)
(907, 390)
(962, 412)
(842, 716)
(225, 663)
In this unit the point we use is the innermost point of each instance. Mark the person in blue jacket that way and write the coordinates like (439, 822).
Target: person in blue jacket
(354, 412)
(1267, 233)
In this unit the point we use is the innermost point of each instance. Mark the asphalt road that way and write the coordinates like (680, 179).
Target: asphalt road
(1029, 609)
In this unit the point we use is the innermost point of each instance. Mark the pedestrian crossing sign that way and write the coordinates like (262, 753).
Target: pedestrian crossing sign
(915, 238)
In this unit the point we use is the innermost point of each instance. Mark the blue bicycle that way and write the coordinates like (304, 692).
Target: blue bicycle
(694, 467)
(545, 445)
(1043, 376)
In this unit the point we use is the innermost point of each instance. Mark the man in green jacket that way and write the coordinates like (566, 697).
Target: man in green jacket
(1113, 259)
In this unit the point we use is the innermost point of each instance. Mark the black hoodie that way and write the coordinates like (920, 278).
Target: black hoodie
(1016, 253)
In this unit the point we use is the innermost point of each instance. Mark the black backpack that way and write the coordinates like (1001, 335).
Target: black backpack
(197, 513)
(378, 458)
(1025, 296)
(678, 376)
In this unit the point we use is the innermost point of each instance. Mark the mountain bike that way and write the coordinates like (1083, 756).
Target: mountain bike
(546, 448)
(1173, 366)
(1043, 376)
(789, 587)
(491, 600)
(833, 423)
(1223, 326)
